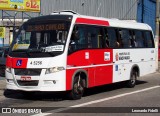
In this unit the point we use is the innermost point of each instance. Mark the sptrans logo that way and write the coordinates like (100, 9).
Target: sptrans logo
(117, 56)
(19, 63)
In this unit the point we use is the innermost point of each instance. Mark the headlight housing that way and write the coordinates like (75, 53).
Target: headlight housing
(54, 69)
(8, 69)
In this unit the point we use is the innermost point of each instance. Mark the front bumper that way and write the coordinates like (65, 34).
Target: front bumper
(43, 82)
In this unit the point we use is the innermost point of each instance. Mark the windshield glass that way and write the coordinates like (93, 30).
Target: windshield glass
(49, 36)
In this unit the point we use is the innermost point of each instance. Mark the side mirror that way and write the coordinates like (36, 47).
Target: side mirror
(5, 55)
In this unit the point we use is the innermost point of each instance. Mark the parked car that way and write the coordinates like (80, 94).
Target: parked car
(3, 55)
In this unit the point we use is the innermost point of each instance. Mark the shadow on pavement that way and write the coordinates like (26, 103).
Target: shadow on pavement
(109, 87)
(60, 96)
(42, 96)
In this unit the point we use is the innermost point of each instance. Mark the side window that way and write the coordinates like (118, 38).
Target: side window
(148, 39)
(100, 37)
(111, 38)
(86, 36)
(125, 37)
(78, 40)
(139, 38)
(94, 35)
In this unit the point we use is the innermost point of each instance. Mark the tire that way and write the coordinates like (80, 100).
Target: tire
(78, 89)
(27, 94)
(133, 78)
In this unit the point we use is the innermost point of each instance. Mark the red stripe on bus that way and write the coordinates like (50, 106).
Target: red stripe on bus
(98, 66)
(13, 62)
(9, 62)
(92, 21)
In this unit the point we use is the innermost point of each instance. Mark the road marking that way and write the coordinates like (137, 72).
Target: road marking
(97, 101)
(114, 97)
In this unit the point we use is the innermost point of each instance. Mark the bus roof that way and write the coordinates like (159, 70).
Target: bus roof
(117, 23)
(103, 21)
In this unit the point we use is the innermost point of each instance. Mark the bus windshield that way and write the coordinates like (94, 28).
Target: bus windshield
(49, 36)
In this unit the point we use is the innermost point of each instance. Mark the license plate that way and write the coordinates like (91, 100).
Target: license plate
(25, 78)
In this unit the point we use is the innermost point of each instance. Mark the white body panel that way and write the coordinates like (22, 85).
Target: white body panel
(45, 80)
(143, 58)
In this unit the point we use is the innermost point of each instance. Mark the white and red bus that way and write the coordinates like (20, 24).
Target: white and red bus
(66, 51)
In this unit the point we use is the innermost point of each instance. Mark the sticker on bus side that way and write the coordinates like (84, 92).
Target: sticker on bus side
(53, 48)
(106, 56)
(86, 55)
(116, 68)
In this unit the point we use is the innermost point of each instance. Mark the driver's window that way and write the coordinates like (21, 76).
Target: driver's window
(77, 38)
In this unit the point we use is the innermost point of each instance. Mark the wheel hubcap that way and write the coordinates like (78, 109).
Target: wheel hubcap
(133, 80)
(78, 89)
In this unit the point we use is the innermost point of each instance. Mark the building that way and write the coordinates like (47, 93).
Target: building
(146, 12)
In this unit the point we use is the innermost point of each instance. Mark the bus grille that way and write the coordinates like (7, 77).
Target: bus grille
(28, 83)
(29, 72)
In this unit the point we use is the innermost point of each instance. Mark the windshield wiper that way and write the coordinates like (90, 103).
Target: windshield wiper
(34, 51)
(19, 50)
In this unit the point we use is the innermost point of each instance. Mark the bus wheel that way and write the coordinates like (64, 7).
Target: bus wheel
(78, 88)
(133, 78)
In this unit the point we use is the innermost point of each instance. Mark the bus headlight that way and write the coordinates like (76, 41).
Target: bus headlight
(8, 69)
(54, 69)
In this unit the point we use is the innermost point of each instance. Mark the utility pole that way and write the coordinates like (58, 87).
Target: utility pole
(157, 30)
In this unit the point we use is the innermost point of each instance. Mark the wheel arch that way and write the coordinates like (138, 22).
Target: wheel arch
(84, 75)
(136, 68)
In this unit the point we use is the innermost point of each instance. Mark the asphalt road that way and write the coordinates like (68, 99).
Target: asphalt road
(114, 98)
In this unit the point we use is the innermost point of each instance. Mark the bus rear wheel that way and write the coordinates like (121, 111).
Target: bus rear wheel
(78, 88)
(133, 78)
